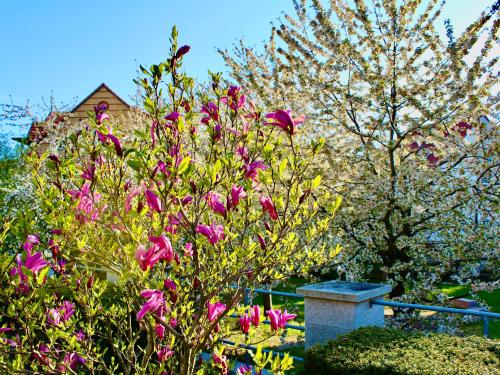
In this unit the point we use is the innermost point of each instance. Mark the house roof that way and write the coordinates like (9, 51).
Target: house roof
(102, 85)
(37, 130)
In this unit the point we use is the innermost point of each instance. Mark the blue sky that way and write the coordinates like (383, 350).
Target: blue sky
(70, 47)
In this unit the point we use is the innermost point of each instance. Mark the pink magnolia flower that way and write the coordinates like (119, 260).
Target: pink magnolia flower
(153, 201)
(117, 144)
(255, 315)
(31, 241)
(243, 152)
(73, 360)
(237, 193)
(174, 116)
(154, 304)
(251, 170)
(234, 99)
(213, 200)
(214, 233)
(182, 51)
(244, 370)
(160, 250)
(283, 119)
(221, 362)
(86, 210)
(432, 160)
(66, 310)
(88, 173)
(160, 331)
(188, 249)
(268, 206)
(279, 319)
(214, 310)
(165, 353)
(211, 111)
(245, 321)
(173, 322)
(262, 241)
(100, 113)
(53, 317)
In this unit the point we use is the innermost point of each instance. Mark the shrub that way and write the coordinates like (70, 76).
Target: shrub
(374, 351)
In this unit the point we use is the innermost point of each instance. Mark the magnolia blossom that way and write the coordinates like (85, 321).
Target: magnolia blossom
(244, 370)
(262, 241)
(213, 200)
(214, 233)
(252, 169)
(214, 310)
(283, 119)
(268, 206)
(165, 353)
(279, 319)
(153, 201)
(31, 241)
(255, 315)
(73, 360)
(212, 112)
(160, 331)
(245, 321)
(221, 362)
(234, 99)
(237, 193)
(161, 249)
(154, 304)
(86, 210)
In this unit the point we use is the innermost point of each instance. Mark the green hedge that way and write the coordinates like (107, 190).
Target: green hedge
(376, 351)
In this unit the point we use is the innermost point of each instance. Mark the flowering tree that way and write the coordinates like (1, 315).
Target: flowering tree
(196, 207)
(411, 143)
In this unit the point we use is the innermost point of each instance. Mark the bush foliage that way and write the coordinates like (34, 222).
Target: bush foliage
(375, 351)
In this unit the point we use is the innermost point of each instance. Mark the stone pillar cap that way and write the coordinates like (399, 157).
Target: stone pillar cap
(347, 291)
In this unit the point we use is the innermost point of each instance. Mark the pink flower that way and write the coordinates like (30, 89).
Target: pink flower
(173, 322)
(66, 310)
(221, 362)
(54, 317)
(255, 315)
(214, 232)
(164, 353)
(117, 144)
(251, 170)
(237, 193)
(73, 360)
(211, 111)
(214, 310)
(188, 249)
(283, 119)
(88, 174)
(268, 206)
(244, 370)
(234, 99)
(100, 114)
(243, 152)
(160, 250)
(85, 210)
(35, 262)
(182, 51)
(154, 304)
(160, 331)
(153, 201)
(172, 116)
(279, 319)
(213, 200)
(245, 323)
(31, 241)
(262, 241)
(169, 284)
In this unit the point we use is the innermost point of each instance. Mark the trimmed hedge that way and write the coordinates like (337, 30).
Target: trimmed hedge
(377, 351)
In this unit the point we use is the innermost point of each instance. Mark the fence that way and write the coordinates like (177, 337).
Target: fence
(485, 315)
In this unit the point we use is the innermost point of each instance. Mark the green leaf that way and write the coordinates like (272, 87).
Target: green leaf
(183, 166)
(41, 275)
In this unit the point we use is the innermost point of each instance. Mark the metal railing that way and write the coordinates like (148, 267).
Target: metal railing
(484, 314)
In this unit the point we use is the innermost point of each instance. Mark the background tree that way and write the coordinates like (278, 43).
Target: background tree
(411, 144)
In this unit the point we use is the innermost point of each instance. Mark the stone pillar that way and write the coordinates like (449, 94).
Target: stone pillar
(335, 308)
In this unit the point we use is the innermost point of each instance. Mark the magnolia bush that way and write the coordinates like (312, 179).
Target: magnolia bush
(211, 197)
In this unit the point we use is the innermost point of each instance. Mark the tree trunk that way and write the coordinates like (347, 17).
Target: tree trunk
(188, 361)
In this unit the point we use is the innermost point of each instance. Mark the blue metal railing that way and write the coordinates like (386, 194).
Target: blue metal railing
(484, 314)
